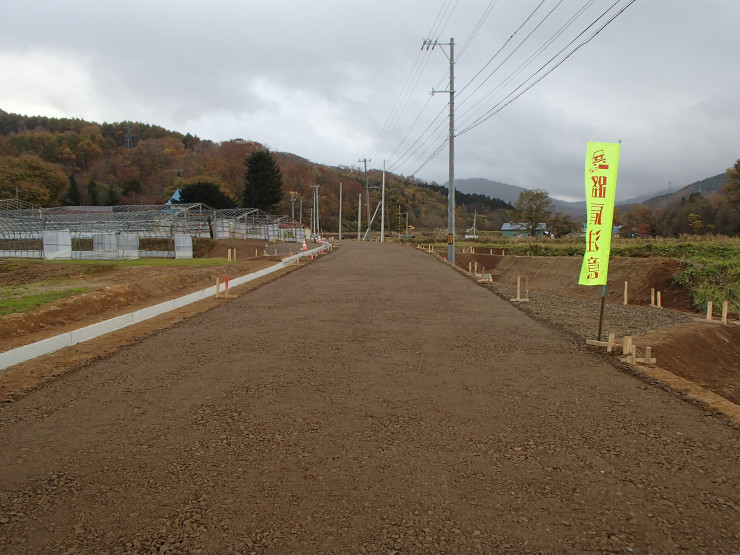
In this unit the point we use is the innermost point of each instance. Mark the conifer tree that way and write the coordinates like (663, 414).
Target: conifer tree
(92, 193)
(73, 197)
(263, 182)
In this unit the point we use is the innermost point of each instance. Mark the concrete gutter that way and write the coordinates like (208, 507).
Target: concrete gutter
(46, 346)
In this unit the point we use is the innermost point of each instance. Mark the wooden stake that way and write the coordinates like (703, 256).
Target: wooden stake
(518, 291)
(710, 310)
(725, 309)
(218, 287)
(234, 254)
(626, 286)
(228, 255)
(610, 342)
(659, 303)
(626, 344)
(652, 296)
(518, 287)
(470, 267)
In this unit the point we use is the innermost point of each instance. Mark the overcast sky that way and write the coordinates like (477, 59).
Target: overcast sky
(336, 81)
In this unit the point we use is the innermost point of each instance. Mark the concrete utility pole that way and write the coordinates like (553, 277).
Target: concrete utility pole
(451, 194)
(382, 210)
(315, 228)
(367, 193)
(293, 196)
(340, 210)
(359, 216)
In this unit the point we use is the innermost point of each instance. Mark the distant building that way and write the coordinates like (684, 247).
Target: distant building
(520, 230)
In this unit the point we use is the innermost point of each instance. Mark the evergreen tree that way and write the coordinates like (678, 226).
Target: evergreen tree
(92, 193)
(112, 196)
(263, 182)
(73, 197)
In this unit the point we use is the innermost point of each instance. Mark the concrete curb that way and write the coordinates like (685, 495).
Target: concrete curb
(52, 344)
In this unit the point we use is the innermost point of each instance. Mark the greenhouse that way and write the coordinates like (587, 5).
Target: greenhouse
(129, 232)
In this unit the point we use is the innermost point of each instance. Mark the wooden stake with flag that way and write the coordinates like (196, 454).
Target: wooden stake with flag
(602, 163)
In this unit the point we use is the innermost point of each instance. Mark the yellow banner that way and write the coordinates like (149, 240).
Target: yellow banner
(602, 162)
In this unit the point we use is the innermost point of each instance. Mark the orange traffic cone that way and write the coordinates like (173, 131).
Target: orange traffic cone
(304, 247)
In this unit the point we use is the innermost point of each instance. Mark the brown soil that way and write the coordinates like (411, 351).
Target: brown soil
(705, 354)
(373, 402)
(112, 291)
(559, 275)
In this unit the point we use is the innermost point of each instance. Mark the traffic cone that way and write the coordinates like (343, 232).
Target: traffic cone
(304, 247)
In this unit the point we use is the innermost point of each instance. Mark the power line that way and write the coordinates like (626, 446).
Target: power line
(521, 67)
(412, 79)
(410, 151)
(477, 28)
(431, 141)
(504, 102)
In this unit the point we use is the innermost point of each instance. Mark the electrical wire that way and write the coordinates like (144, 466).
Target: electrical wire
(477, 28)
(511, 97)
(464, 116)
(433, 139)
(412, 79)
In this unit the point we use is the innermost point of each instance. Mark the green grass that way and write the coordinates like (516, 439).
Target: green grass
(13, 299)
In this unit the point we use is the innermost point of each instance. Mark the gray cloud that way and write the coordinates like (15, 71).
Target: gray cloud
(320, 79)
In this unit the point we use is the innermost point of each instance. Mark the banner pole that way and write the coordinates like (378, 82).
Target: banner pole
(601, 312)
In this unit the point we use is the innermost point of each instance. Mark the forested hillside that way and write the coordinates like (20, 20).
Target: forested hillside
(72, 161)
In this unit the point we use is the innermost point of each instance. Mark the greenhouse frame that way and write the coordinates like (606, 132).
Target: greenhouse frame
(130, 232)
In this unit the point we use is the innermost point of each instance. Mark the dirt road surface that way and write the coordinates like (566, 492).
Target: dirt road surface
(374, 401)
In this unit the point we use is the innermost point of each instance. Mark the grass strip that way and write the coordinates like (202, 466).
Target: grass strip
(15, 304)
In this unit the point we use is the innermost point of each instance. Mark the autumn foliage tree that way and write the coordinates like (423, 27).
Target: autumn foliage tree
(532, 208)
(32, 179)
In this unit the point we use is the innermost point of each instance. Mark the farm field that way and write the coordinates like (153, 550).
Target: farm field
(374, 401)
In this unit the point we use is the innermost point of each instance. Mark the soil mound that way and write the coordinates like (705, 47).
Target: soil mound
(704, 353)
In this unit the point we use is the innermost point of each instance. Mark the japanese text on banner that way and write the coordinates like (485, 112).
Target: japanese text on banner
(602, 163)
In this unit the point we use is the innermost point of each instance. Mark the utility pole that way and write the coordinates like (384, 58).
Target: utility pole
(340, 210)
(451, 195)
(367, 191)
(382, 212)
(359, 216)
(293, 196)
(315, 209)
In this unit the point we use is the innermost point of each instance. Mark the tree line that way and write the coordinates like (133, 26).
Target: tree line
(55, 161)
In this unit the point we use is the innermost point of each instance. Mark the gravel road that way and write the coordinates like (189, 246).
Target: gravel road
(376, 401)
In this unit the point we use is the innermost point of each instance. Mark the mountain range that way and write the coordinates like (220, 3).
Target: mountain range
(577, 209)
